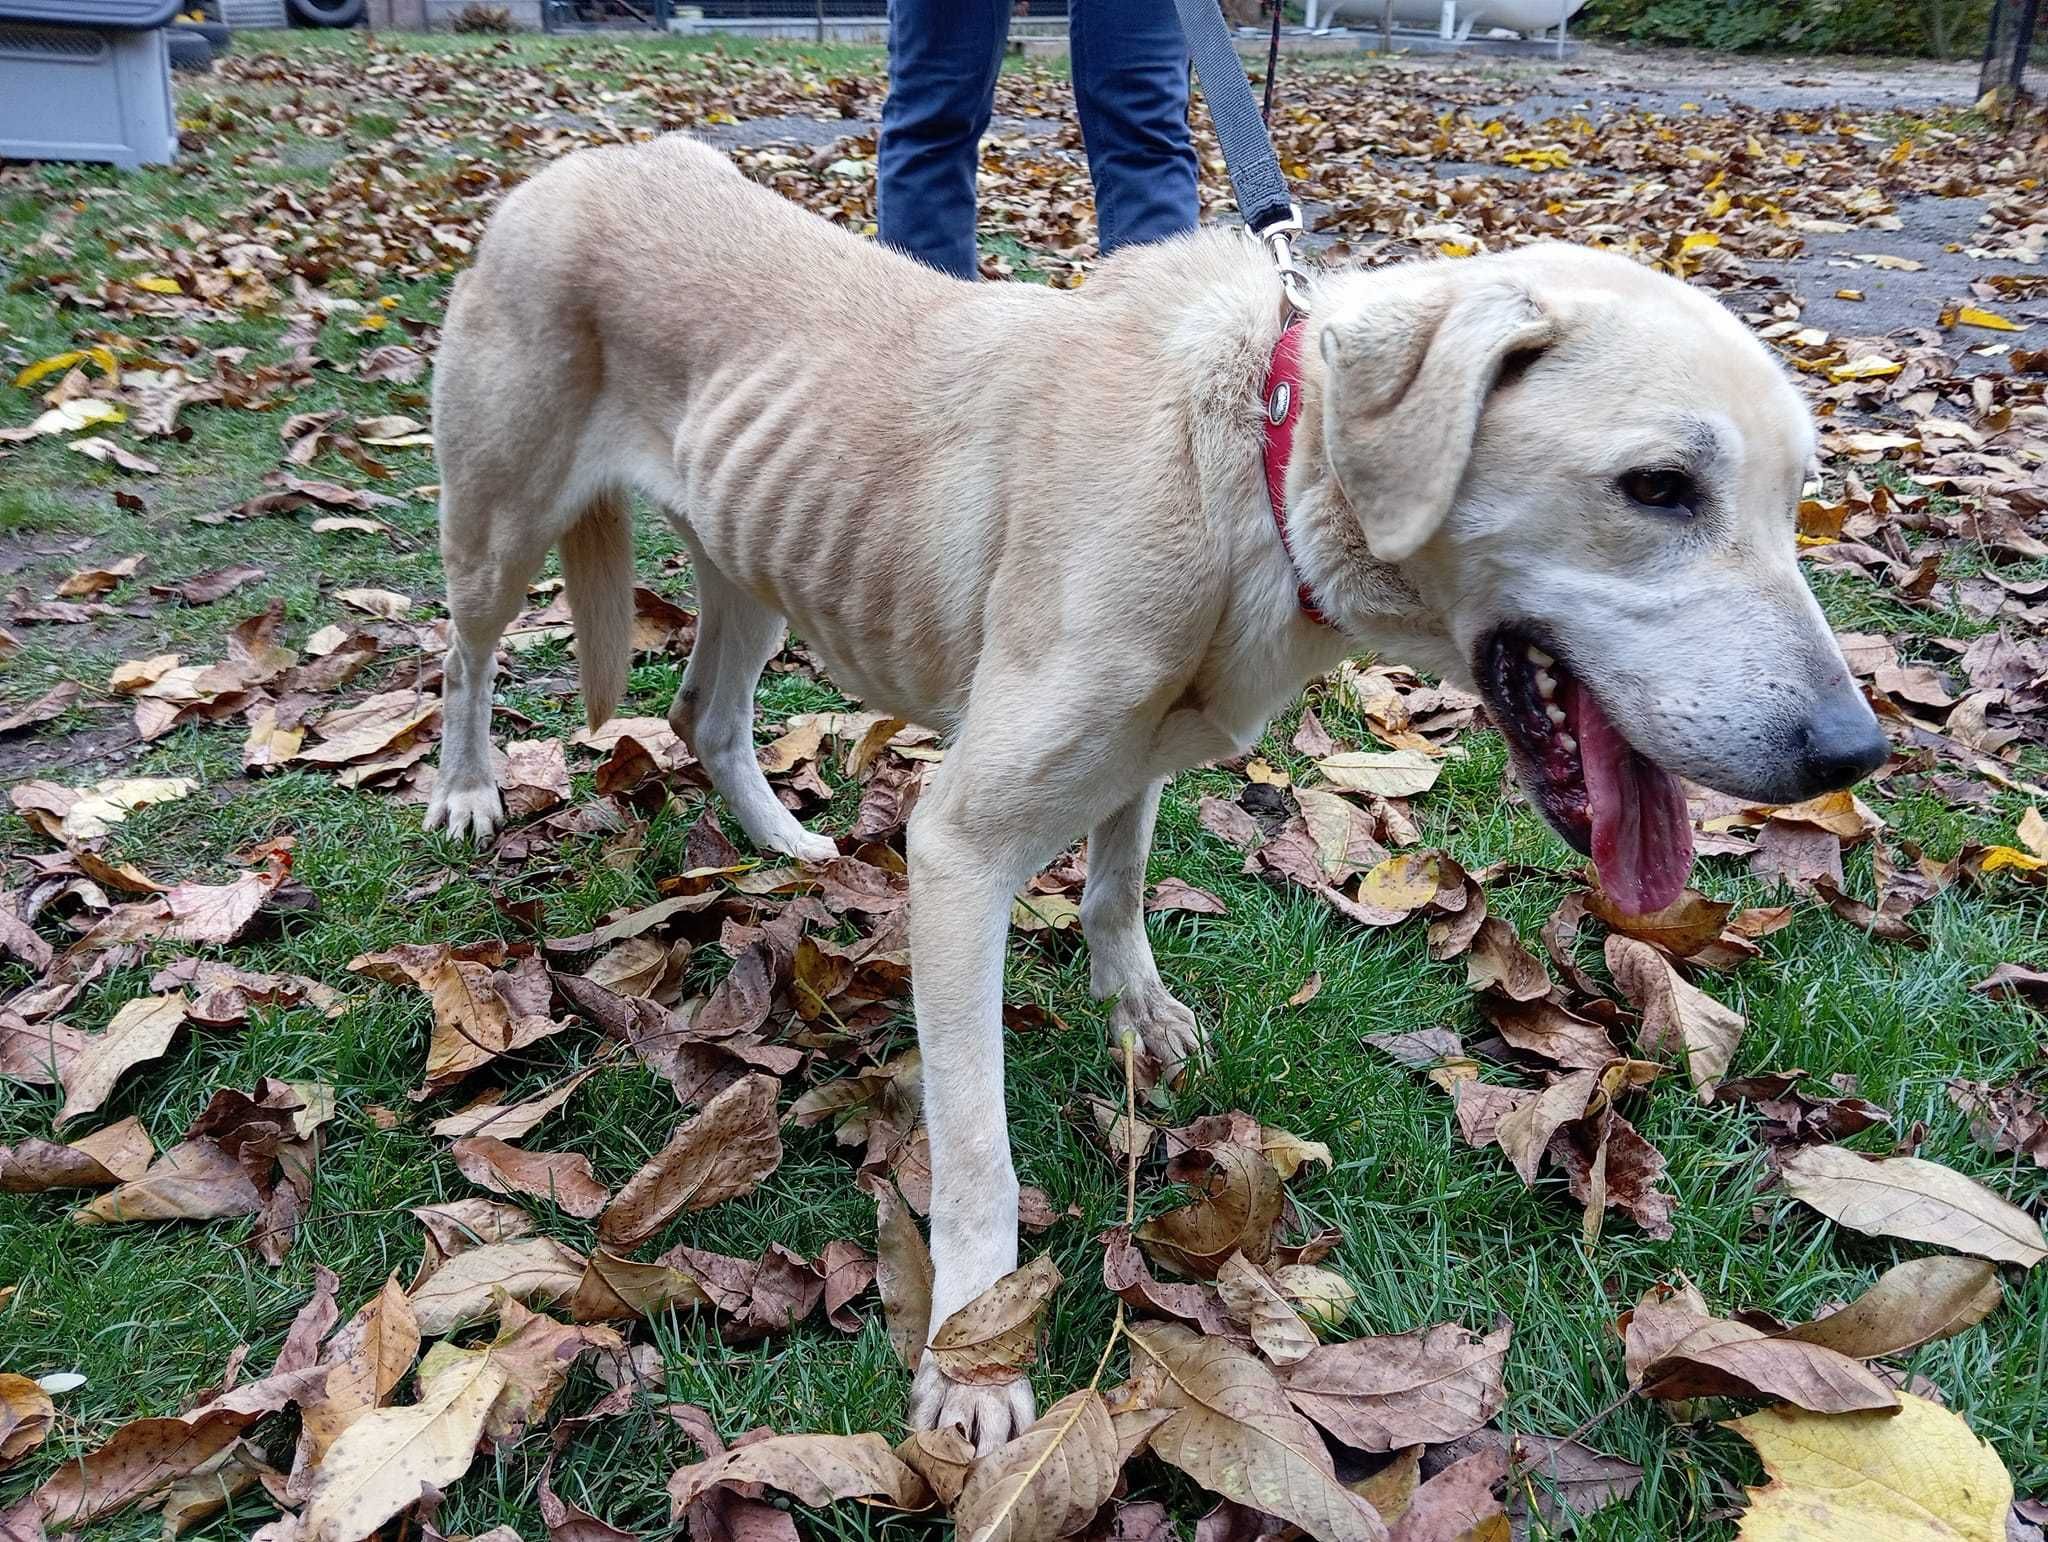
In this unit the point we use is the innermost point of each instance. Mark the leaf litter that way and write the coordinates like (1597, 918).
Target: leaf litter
(1548, 1086)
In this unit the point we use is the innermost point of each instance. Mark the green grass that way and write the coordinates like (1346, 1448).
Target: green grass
(1432, 1230)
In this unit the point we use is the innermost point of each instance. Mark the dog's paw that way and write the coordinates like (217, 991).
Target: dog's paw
(987, 1416)
(468, 813)
(806, 847)
(1166, 1029)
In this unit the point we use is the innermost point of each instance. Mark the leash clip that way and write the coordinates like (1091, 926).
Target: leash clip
(1279, 239)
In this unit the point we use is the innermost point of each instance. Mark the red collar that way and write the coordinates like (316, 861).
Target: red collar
(1283, 409)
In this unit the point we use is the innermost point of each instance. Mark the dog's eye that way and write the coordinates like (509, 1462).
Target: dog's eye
(1660, 488)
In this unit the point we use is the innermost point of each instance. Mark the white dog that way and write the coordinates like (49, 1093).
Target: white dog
(1040, 523)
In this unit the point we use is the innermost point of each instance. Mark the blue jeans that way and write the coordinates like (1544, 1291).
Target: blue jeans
(1130, 85)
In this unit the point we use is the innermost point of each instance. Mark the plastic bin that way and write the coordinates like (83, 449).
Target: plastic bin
(86, 80)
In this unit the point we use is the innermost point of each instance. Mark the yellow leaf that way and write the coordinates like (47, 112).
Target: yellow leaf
(1405, 882)
(156, 284)
(1996, 857)
(104, 358)
(1990, 321)
(1917, 1475)
(1696, 240)
(1795, 158)
(1457, 248)
(1870, 367)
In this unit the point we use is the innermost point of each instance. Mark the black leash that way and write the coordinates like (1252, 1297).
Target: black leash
(1255, 176)
(1272, 69)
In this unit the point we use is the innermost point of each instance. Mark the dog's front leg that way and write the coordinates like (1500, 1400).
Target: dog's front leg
(1120, 963)
(961, 889)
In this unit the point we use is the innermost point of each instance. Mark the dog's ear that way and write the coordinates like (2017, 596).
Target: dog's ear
(1407, 375)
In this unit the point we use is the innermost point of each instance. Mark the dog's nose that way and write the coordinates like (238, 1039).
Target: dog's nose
(1840, 743)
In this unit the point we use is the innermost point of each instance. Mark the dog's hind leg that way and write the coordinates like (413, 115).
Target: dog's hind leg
(713, 711)
(1120, 962)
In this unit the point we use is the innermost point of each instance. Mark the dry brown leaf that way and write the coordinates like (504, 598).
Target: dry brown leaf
(379, 1465)
(1236, 1208)
(613, 1287)
(903, 1275)
(1379, 1394)
(365, 1361)
(116, 1154)
(994, 1337)
(1047, 1482)
(1677, 1016)
(1255, 1299)
(1914, 1199)
(1232, 1430)
(942, 1457)
(1524, 1131)
(481, 1009)
(563, 1178)
(1718, 1358)
(812, 1469)
(26, 1413)
(1913, 1303)
(536, 1271)
(195, 1180)
(1458, 1504)
(509, 1121)
(722, 1153)
(140, 1030)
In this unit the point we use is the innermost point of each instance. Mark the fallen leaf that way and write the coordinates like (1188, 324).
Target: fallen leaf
(812, 1469)
(1255, 1299)
(1379, 1394)
(1458, 1504)
(140, 1030)
(1677, 1016)
(535, 1271)
(563, 1179)
(378, 1465)
(722, 1153)
(1048, 1481)
(116, 1154)
(1236, 1208)
(1718, 1358)
(51, 704)
(994, 1337)
(1232, 1430)
(100, 808)
(1393, 774)
(1920, 1475)
(903, 1275)
(1912, 1303)
(1913, 1199)
(26, 1413)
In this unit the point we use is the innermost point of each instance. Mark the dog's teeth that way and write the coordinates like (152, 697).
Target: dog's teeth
(1546, 684)
(1555, 713)
(1539, 658)
(1569, 744)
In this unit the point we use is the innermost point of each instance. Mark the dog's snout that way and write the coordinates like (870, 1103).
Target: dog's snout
(1839, 744)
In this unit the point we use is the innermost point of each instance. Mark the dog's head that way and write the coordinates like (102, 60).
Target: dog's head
(1591, 472)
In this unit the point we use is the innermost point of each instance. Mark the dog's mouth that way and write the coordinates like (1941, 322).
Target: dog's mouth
(1603, 795)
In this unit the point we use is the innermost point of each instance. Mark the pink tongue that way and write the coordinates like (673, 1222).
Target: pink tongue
(1642, 831)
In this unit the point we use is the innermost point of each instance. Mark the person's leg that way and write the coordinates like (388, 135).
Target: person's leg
(943, 58)
(1131, 86)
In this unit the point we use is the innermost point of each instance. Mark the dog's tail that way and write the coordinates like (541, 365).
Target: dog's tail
(597, 570)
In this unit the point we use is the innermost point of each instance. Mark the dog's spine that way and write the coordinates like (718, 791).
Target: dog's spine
(597, 571)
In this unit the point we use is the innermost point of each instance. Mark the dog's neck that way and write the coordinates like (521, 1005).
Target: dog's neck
(1367, 599)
